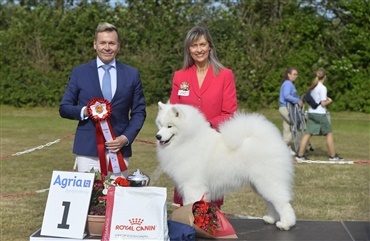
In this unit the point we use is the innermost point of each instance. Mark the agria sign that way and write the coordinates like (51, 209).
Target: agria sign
(65, 182)
(67, 204)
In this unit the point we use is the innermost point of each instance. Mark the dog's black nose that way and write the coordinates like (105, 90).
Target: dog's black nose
(159, 137)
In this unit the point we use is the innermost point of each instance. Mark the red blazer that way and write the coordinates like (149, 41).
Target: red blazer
(216, 99)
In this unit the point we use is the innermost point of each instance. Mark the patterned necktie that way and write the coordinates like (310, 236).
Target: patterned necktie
(107, 86)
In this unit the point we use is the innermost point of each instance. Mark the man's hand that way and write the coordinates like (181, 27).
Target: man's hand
(117, 144)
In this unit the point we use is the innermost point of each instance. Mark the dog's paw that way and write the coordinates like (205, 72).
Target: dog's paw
(282, 226)
(268, 219)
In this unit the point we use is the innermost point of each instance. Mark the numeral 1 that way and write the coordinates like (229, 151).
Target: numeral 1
(64, 224)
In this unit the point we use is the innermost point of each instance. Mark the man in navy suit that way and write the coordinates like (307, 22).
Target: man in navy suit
(128, 104)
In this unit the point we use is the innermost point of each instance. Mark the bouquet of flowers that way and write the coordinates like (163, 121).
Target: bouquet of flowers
(98, 199)
(206, 218)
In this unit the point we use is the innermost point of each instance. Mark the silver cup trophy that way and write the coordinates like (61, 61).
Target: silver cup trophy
(138, 179)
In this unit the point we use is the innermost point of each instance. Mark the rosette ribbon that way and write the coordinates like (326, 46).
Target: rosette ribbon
(100, 110)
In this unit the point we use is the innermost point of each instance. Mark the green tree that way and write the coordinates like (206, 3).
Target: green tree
(43, 40)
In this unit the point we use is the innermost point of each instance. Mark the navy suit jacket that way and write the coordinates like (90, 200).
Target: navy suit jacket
(128, 106)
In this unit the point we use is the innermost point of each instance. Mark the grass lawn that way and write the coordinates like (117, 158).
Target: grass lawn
(321, 191)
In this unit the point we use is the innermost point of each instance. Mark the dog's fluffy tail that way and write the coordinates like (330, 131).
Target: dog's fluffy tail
(247, 125)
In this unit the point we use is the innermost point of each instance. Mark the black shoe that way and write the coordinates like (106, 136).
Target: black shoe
(301, 158)
(335, 158)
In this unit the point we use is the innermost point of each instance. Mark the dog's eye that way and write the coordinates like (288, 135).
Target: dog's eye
(169, 126)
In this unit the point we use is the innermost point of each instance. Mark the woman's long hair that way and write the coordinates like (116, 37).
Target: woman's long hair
(194, 35)
(320, 75)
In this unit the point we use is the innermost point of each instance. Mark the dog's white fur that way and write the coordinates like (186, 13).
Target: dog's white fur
(248, 149)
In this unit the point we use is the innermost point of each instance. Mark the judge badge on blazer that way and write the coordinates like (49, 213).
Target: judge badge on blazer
(184, 89)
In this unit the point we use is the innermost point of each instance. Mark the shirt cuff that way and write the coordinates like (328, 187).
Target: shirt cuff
(83, 117)
(128, 142)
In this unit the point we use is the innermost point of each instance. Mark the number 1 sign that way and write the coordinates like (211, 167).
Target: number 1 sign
(67, 204)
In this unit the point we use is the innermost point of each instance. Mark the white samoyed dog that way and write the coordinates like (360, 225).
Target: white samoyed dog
(248, 149)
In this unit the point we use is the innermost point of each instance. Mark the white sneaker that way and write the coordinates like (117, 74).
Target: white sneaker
(335, 158)
(301, 158)
(292, 152)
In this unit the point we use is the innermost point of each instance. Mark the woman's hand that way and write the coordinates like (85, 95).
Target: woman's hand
(326, 102)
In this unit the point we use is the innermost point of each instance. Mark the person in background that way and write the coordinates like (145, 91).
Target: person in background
(203, 82)
(318, 122)
(288, 93)
(125, 95)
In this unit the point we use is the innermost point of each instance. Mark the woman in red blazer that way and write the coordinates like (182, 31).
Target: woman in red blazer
(204, 82)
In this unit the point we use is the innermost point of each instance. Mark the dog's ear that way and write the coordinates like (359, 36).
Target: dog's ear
(160, 105)
(176, 110)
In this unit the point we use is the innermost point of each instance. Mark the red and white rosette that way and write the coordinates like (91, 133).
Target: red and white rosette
(99, 110)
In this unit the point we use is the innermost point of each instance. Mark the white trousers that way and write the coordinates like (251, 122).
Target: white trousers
(85, 163)
(287, 135)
